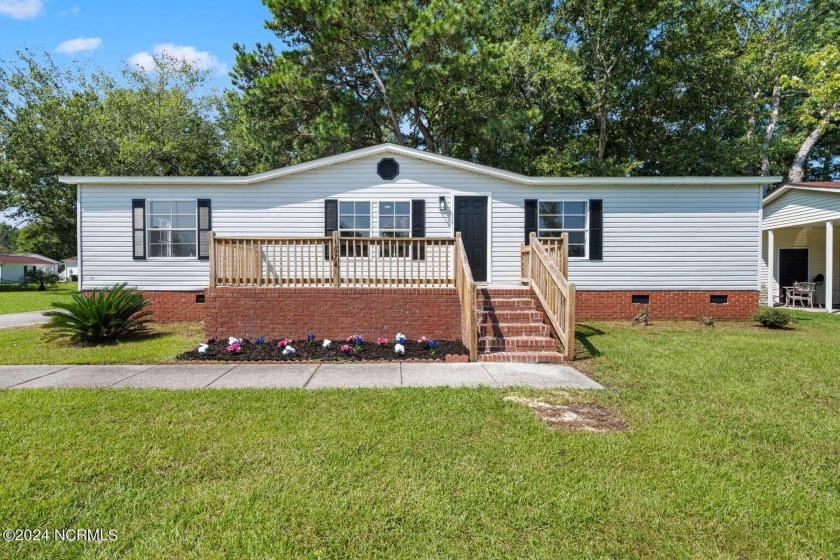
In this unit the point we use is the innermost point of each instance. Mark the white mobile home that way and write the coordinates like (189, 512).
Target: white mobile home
(681, 246)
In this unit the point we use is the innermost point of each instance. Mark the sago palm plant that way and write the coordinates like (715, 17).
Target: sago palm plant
(103, 316)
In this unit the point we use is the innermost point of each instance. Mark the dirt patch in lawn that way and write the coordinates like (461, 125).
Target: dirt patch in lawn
(574, 417)
(272, 351)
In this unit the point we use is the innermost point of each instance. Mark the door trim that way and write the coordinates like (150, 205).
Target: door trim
(489, 197)
(779, 261)
(778, 266)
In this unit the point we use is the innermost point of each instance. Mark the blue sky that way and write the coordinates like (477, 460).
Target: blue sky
(110, 32)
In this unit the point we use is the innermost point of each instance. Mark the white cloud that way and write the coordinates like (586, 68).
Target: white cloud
(21, 9)
(74, 11)
(79, 44)
(189, 54)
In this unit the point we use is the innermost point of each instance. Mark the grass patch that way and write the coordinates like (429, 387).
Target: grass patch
(28, 345)
(14, 299)
(732, 452)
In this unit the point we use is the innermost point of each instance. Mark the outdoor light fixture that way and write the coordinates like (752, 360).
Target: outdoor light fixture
(442, 200)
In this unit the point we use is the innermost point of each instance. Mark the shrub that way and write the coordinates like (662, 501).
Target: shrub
(41, 277)
(103, 316)
(772, 318)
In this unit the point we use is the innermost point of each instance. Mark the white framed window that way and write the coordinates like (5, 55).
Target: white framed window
(395, 221)
(572, 217)
(395, 218)
(354, 221)
(172, 228)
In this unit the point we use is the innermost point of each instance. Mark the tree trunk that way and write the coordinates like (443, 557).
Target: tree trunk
(395, 122)
(424, 130)
(770, 131)
(797, 169)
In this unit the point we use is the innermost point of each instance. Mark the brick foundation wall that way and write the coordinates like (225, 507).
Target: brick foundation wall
(172, 307)
(665, 304)
(333, 313)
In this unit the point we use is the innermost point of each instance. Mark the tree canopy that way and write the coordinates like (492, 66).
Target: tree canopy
(574, 87)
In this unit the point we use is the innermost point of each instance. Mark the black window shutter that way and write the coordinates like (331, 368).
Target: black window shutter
(330, 221)
(418, 226)
(204, 227)
(138, 219)
(596, 230)
(530, 219)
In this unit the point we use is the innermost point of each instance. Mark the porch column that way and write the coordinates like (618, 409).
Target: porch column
(829, 265)
(771, 265)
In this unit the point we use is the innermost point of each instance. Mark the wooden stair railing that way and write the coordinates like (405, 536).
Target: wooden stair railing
(468, 296)
(545, 269)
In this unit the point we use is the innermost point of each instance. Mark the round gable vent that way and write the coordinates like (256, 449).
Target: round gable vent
(388, 168)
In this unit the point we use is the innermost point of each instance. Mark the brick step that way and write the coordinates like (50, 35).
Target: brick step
(501, 292)
(505, 303)
(516, 343)
(513, 329)
(522, 357)
(510, 316)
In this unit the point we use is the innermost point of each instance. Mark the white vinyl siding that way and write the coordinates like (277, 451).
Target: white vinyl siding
(655, 237)
(799, 207)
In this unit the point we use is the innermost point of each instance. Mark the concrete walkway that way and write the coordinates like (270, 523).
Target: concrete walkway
(26, 319)
(306, 376)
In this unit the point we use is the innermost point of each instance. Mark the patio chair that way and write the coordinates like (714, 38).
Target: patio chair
(819, 281)
(802, 292)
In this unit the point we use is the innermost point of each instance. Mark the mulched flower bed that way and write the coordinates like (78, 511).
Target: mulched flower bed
(217, 350)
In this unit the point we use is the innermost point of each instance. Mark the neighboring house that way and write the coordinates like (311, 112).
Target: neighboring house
(800, 241)
(13, 267)
(683, 246)
(71, 269)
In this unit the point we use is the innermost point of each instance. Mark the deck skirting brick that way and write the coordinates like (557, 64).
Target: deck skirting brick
(333, 313)
(665, 304)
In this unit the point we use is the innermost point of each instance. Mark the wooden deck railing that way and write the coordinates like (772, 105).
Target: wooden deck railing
(546, 270)
(468, 296)
(332, 261)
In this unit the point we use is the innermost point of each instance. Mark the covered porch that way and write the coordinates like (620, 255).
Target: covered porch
(801, 247)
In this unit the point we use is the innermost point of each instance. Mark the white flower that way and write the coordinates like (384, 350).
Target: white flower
(399, 349)
(233, 340)
(288, 350)
(327, 343)
(202, 348)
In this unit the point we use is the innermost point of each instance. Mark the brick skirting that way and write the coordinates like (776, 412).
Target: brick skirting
(665, 304)
(333, 313)
(172, 307)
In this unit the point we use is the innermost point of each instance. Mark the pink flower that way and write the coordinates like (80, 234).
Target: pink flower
(283, 343)
(345, 347)
(234, 347)
(381, 341)
(422, 340)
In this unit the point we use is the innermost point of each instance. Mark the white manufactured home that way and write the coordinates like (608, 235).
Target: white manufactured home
(680, 246)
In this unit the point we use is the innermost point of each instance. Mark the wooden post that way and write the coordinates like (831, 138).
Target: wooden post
(569, 343)
(335, 259)
(211, 245)
(564, 256)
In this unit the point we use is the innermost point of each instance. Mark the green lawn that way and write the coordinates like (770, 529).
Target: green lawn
(14, 299)
(29, 345)
(733, 452)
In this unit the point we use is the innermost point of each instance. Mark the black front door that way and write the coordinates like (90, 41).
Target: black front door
(471, 221)
(793, 267)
